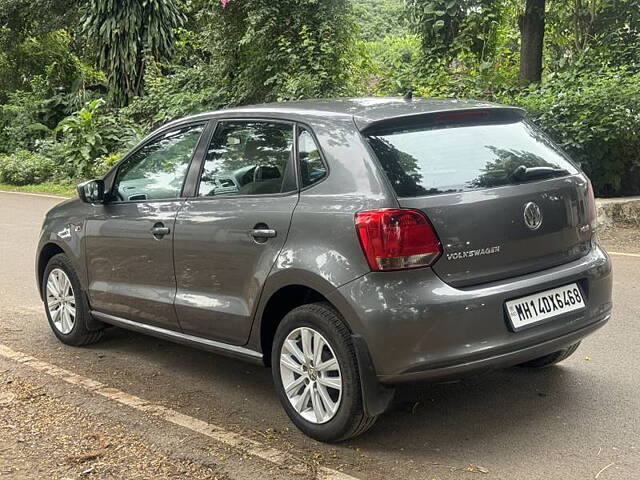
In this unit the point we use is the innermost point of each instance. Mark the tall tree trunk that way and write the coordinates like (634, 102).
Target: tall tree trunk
(532, 40)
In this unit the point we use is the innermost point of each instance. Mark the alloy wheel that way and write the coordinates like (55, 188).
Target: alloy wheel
(61, 302)
(310, 375)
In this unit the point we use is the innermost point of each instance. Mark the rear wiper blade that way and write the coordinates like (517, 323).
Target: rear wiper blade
(529, 173)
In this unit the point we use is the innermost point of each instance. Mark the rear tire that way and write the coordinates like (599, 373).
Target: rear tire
(65, 304)
(325, 413)
(552, 358)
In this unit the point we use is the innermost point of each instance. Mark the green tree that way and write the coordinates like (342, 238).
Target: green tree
(531, 24)
(593, 33)
(33, 44)
(127, 33)
(378, 19)
(267, 50)
(451, 27)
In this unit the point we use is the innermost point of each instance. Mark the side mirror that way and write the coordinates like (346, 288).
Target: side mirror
(91, 191)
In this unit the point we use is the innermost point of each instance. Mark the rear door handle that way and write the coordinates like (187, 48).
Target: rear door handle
(159, 230)
(263, 233)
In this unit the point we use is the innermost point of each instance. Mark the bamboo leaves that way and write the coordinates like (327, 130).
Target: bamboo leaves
(128, 33)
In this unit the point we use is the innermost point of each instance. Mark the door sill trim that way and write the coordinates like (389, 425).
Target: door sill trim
(183, 338)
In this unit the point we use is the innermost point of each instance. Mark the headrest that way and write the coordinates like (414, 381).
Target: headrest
(267, 172)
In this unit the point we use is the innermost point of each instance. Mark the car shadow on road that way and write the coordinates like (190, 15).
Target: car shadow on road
(512, 408)
(471, 415)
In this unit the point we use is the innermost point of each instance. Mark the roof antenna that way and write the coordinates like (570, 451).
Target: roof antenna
(409, 95)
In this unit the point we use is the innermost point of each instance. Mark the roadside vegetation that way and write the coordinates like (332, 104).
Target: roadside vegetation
(77, 89)
(49, 188)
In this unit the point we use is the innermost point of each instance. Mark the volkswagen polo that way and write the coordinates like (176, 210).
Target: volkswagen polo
(349, 245)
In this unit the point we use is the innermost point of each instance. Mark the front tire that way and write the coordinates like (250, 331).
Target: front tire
(316, 374)
(552, 358)
(65, 303)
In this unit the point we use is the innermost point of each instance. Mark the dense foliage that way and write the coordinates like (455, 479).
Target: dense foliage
(23, 167)
(86, 139)
(596, 119)
(267, 51)
(81, 84)
(450, 28)
(127, 33)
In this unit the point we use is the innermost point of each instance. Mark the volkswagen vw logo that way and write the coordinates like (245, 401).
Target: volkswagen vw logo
(532, 216)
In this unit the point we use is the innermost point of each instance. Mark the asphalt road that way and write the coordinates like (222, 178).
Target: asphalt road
(567, 422)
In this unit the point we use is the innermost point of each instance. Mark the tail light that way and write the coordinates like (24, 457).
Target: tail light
(396, 239)
(591, 206)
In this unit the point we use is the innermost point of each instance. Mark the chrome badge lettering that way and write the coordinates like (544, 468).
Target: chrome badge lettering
(473, 253)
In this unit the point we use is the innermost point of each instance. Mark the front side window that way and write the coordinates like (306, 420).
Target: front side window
(312, 168)
(248, 158)
(157, 171)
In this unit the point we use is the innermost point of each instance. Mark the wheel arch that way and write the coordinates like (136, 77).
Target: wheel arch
(46, 253)
(376, 398)
(281, 302)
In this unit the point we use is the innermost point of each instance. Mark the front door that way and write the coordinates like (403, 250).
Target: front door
(230, 233)
(129, 239)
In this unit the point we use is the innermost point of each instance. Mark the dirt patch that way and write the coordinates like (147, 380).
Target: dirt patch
(42, 436)
(621, 239)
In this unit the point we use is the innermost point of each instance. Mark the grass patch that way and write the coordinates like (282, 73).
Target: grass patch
(64, 190)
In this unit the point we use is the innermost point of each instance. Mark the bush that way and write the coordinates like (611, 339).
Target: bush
(596, 119)
(394, 61)
(186, 91)
(21, 121)
(108, 162)
(29, 116)
(24, 167)
(86, 137)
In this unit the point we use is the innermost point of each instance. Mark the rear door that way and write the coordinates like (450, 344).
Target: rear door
(501, 196)
(129, 238)
(229, 234)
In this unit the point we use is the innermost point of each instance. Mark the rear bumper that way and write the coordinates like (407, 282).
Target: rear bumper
(417, 327)
(497, 361)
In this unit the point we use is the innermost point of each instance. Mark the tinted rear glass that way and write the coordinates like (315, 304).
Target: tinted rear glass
(430, 160)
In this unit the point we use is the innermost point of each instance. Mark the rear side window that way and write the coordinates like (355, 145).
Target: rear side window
(312, 168)
(248, 158)
(431, 160)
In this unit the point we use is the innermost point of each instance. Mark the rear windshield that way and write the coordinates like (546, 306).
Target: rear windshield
(429, 160)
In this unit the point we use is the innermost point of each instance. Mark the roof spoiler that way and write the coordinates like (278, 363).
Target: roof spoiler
(476, 115)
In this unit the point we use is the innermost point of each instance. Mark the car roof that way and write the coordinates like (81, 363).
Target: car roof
(365, 111)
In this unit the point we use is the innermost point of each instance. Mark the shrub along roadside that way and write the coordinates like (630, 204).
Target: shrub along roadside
(49, 188)
(23, 167)
(596, 119)
(593, 115)
(83, 145)
(87, 137)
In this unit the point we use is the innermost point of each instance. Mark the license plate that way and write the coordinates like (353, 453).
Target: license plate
(541, 306)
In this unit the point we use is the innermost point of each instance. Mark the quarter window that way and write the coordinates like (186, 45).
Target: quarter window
(248, 158)
(312, 168)
(157, 170)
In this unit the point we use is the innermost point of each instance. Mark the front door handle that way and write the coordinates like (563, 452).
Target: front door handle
(263, 233)
(159, 230)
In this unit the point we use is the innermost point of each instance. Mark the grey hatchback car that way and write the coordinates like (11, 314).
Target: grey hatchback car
(349, 244)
